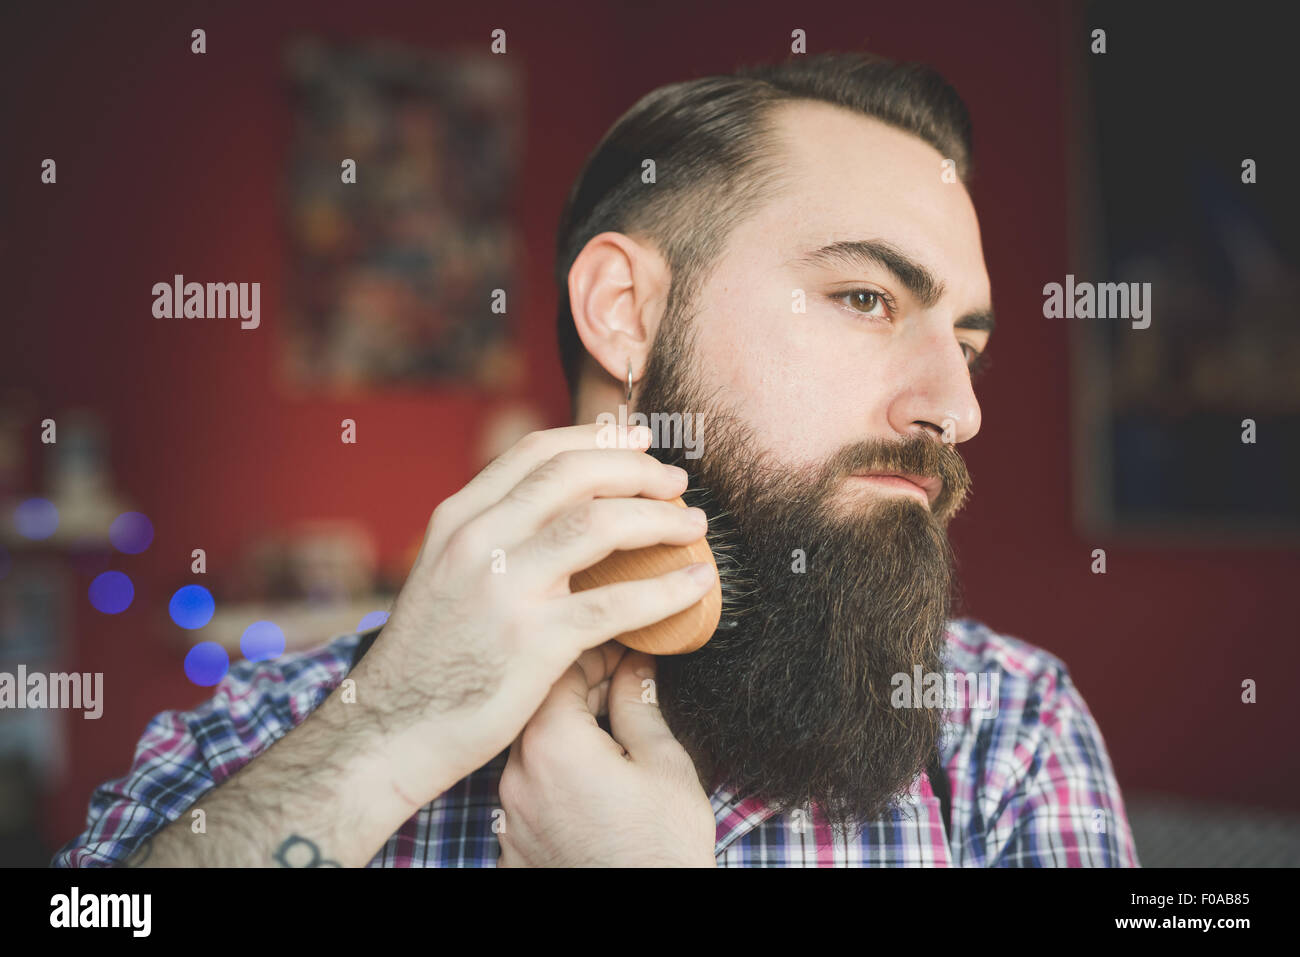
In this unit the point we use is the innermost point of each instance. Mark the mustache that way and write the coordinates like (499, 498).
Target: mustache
(918, 454)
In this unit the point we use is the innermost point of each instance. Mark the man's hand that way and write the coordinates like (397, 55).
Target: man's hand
(486, 622)
(482, 629)
(574, 796)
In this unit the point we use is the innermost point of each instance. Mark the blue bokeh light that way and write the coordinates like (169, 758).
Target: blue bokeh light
(131, 532)
(262, 640)
(373, 620)
(206, 664)
(36, 518)
(111, 592)
(192, 607)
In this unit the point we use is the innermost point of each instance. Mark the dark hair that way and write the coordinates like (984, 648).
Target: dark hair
(717, 160)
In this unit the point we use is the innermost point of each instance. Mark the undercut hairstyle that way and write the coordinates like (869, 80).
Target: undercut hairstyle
(718, 161)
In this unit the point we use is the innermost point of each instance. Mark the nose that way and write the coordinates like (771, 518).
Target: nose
(934, 390)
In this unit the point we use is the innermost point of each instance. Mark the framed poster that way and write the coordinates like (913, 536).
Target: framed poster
(400, 176)
(1187, 418)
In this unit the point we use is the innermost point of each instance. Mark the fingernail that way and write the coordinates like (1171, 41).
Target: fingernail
(639, 437)
(698, 517)
(701, 573)
(678, 472)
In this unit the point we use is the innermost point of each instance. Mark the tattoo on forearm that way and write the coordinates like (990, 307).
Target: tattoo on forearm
(300, 852)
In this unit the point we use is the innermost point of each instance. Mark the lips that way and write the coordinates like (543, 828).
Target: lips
(930, 486)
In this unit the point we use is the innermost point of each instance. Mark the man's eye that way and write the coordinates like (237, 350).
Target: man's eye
(976, 361)
(868, 302)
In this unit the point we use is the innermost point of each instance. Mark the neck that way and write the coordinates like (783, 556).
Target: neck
(597, 393)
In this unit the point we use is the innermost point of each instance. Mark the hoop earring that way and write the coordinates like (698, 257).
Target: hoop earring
(629, 379)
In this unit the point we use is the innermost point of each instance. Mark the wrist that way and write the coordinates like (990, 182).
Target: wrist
(385, 782)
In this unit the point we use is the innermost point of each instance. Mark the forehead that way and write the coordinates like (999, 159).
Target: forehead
(850, 176)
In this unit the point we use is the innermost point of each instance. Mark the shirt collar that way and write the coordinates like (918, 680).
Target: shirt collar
(735, 818)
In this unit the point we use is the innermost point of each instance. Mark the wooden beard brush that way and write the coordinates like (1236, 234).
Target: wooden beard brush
(691, 628)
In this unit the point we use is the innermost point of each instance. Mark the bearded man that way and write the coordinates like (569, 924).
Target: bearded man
(803, 276)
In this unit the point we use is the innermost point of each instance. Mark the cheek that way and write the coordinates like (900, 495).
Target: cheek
(805, 391)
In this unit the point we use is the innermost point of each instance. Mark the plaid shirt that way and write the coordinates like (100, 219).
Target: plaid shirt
(1031, 785)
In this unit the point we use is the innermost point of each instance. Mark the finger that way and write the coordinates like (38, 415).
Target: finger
(564, 727)
(587, 533)
(588, 677)
(568, 479)
(599, 614)
(599, 664)
(508, 469)
(570, 695)
(598, 699)
(635, 720)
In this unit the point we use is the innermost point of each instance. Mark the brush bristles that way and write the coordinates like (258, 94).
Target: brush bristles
(738, 589)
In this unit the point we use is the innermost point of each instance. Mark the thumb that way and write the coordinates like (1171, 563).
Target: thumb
(635, 720)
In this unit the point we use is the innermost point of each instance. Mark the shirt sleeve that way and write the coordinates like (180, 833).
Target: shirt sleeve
(1066, 810)
(184, 754)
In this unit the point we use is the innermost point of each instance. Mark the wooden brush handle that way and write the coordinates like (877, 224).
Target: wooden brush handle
(677, 634)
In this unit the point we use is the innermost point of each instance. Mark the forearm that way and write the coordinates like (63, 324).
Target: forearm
(326, 794)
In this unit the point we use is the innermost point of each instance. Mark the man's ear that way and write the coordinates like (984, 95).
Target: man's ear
(618, 287)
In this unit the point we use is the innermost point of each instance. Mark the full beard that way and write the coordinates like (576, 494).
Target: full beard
(790, 701)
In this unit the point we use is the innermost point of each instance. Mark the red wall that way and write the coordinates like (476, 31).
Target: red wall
(170, 162)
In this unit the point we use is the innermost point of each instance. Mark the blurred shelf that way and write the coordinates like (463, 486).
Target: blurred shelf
(83, 523)
(305, 625)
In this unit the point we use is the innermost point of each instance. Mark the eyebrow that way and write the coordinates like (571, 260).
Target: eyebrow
(916, 278)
